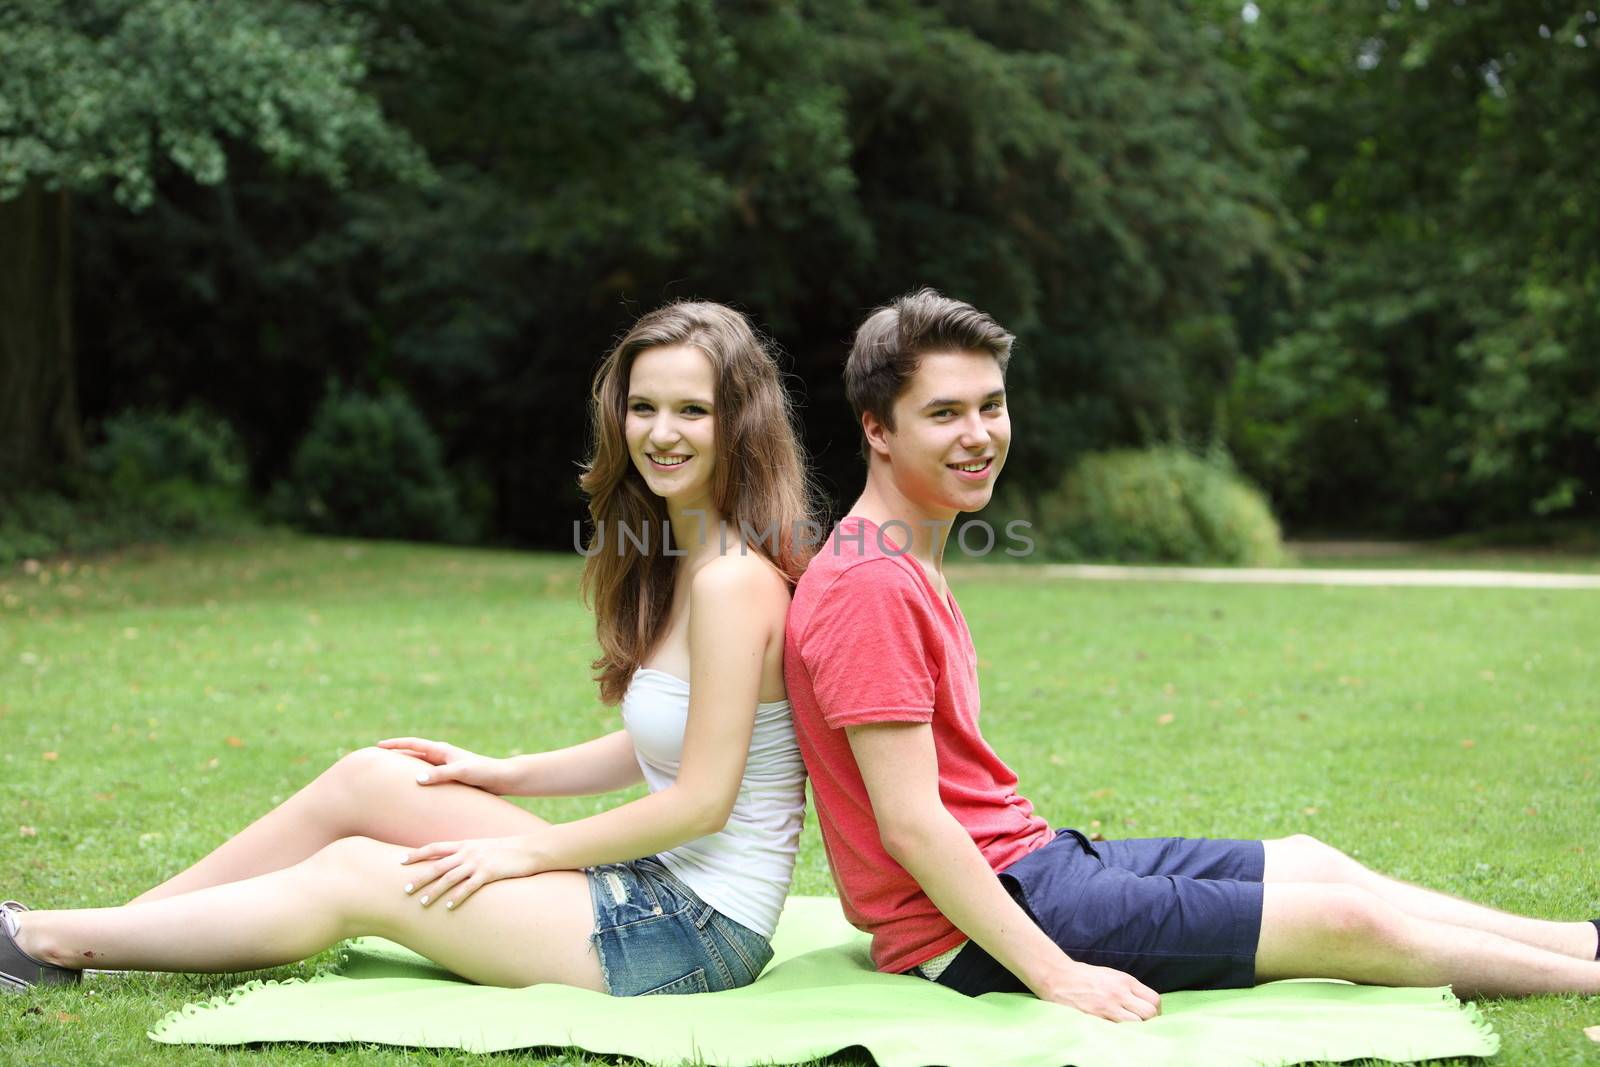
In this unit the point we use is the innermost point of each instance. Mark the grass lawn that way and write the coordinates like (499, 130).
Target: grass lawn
(153, 702)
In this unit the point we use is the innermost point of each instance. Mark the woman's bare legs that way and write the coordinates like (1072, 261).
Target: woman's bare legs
(1342, 931)
(1304, 859)
(514, 932)
(372, 792)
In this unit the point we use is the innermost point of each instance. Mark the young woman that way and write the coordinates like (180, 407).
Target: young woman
(676, 892)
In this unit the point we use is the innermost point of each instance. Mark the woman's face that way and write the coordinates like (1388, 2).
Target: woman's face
(671, 422)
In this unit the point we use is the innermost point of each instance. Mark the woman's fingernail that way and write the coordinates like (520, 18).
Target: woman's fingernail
(409, 887)
(423, 777)
(424, 900)
(449, 905)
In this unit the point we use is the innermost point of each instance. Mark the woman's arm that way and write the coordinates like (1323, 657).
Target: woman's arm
(602, 765)
(737, 607)
(736, 610)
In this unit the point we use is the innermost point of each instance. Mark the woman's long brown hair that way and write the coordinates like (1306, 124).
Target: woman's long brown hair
(759, 484)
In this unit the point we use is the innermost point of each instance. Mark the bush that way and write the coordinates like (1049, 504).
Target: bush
(155, 477)
(371, 467)
(192, 447)
(1160, 505)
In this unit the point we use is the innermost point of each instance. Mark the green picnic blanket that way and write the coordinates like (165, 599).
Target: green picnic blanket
(820, 995)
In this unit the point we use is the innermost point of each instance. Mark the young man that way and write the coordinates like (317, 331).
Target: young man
(919, 815)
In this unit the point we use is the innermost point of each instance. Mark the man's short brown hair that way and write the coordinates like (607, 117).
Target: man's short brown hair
(890, 345)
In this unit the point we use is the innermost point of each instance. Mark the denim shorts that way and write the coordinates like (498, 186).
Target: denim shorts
(1174, 912)
(654, 935)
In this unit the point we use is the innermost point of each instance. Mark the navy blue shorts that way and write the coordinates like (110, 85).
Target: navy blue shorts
(1174, 912)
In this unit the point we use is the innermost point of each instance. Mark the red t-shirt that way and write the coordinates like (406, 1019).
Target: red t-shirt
(869, 641)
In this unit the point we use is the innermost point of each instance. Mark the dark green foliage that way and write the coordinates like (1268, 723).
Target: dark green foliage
(370, 466)
(112, 99)
(1441, 367)
(1158, 505)
(1357, 240)
(112, 93)
(143, 449)
(1086, 172)
(154, 477)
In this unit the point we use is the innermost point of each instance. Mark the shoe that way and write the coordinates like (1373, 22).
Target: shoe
(18, 970)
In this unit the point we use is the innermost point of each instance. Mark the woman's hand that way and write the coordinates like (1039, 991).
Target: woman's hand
(454, 870)
(452, 764)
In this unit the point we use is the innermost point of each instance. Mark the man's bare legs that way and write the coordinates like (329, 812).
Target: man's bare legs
(514, 932)
(372, 792)
(1344, 931)
(1303, 859)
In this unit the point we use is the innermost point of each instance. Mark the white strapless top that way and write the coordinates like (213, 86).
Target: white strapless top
(744, 869)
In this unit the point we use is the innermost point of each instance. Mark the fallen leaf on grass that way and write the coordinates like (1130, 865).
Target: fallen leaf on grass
(1592, 1033)
(234, 742)
(1308, 811)
(50, 757)
(1467, 742)
(1166, 720)
(66, 1017)
(27, 831)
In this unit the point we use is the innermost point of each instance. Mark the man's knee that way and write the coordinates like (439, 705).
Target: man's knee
(1351, 917)
(1319, 861)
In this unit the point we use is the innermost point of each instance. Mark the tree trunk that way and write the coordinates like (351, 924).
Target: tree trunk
(40, 429)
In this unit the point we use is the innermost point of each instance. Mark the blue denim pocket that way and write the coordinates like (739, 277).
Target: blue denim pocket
(743, 951)
(654, 935)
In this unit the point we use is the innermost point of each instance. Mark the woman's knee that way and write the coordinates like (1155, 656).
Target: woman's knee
(356, 857)
(346, 879)
(372, 769)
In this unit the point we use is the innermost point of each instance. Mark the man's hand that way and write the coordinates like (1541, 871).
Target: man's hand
(1102, 991)
(452, 763)
(901, 772)
(452, 871)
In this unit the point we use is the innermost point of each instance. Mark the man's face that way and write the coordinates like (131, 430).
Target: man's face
(952, 431)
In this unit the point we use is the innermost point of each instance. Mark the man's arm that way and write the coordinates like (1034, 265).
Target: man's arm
(900, 769)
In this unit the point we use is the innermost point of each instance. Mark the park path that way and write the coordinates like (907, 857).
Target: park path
(1314, 576)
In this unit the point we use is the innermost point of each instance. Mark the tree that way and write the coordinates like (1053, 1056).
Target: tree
(1441, 369)
(118, 94)
(1085, 171)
